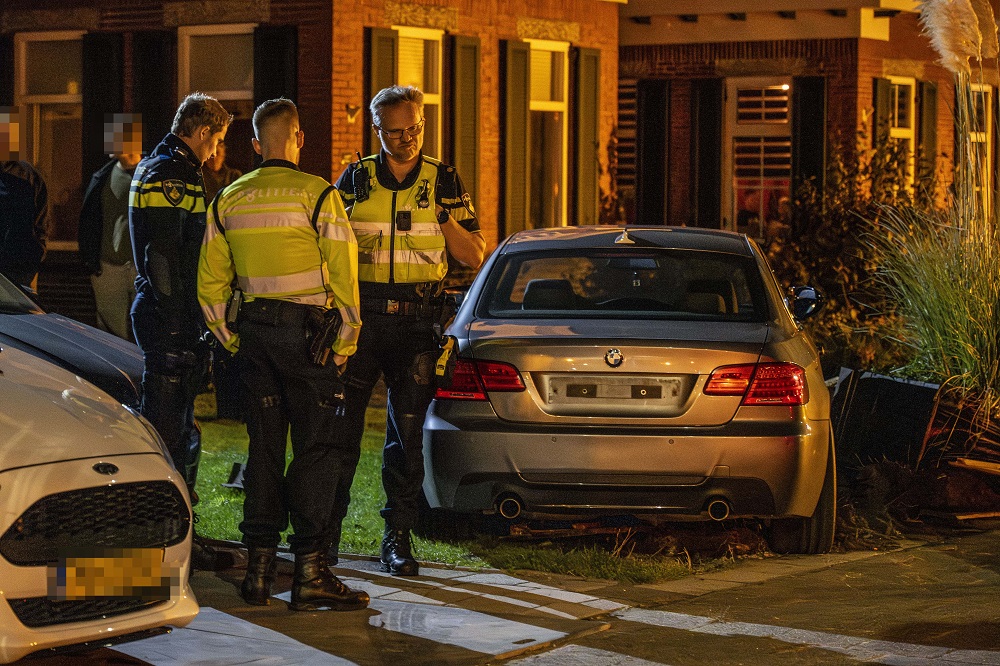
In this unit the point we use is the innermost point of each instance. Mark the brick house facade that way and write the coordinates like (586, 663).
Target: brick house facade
(524, 93)
(747, 99)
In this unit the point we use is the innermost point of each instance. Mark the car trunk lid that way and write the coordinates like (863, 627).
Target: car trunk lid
(648, 373)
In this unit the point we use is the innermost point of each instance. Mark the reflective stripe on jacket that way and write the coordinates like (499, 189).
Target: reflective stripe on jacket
(265, 239)
(387, 253)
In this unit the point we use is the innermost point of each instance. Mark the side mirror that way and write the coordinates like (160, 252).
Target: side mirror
(806, 302)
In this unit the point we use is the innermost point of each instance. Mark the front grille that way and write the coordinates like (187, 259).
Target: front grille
(45, 612)
(150, 514)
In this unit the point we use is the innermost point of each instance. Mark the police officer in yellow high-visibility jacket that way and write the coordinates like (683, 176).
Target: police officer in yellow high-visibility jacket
(167, 222)
(409, 212)
(284, 236)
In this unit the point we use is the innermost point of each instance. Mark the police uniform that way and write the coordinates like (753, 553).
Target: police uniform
(167, 223)
(285, 238)
(402, 260)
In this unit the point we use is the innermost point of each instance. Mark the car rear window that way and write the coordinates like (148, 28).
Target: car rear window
(633, 284)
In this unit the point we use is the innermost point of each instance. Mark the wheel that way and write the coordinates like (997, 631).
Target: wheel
(813, 535)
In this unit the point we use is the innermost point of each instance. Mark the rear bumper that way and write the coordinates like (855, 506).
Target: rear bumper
(760, 469)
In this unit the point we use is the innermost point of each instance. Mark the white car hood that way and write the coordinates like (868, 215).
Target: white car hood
(48, 414)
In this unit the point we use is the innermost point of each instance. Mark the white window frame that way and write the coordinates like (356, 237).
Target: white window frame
(184, 35)
(733, 130)
(560, 106)
(906, 134)
(31, 123)
(985, 138)
(21, 40)
(432, 99)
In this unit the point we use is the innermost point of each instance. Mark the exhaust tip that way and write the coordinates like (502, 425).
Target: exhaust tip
(718, 509)
(509, 507)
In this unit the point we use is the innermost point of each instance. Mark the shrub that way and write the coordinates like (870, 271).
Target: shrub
(825, 246)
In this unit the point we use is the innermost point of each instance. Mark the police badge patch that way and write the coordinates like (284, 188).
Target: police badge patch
(173, 190)
(467, 201)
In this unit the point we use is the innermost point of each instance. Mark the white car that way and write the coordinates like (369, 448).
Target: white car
(95, 523)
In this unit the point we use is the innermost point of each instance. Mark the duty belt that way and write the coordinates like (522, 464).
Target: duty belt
(392, 307)
(276, 312)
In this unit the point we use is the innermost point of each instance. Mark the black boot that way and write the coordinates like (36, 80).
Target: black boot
(396, 556)
(314, 587)
(206, 557)
(261, 565)
(333, 552)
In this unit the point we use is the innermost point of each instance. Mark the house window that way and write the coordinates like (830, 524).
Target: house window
(759, 164)
(549, 129)
(766, 104)
(981, 136)
(216, 60)
(48, 78)
(902, 118)
(419, 64)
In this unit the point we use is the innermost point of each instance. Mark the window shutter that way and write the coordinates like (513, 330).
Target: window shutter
(927, 129)
(586, 116)
(6, 70)
(154, 83)
(465, 111)
(380, 72)
(882, 102)
(275, 63)
(515, 117)
(103, 92)
(706, 157)
(652, 156)
(808, 132)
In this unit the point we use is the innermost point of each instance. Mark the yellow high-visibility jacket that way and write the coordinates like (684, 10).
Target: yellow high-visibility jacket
(266, 231)
(387, 253)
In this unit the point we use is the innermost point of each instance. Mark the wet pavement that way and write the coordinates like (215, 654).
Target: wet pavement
(924, 603)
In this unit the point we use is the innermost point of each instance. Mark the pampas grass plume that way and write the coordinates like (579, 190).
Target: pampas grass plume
(987, 27)
(953, 28)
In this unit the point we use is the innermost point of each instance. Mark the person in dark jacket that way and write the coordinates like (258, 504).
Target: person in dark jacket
(23, 207)
(167, 222)
(105, 246)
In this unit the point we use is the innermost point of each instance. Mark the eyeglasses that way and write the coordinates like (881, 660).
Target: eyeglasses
(411, 131)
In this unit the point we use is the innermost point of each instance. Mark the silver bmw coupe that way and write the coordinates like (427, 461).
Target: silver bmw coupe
(654, 372)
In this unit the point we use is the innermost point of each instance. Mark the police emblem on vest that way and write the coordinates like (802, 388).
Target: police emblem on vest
(173, 190)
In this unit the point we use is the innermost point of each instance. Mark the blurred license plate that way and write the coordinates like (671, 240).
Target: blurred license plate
(93, 574)
(579, 390)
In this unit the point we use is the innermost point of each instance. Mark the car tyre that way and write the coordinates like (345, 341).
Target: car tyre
(813, 535)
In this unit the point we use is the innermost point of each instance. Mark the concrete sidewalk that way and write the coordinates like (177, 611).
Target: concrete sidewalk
(921, 604)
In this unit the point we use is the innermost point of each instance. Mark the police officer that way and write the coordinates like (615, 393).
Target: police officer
(167, 223)
(409, 213)
(284, 236)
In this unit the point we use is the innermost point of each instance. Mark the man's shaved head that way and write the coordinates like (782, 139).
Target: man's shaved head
(276, 130)
(275, 117)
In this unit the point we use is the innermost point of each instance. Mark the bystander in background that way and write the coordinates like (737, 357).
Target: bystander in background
(216, 173)
(105, 244)
(23, 207)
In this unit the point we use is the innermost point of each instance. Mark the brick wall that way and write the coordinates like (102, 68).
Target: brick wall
(315, 67)
(597, 25)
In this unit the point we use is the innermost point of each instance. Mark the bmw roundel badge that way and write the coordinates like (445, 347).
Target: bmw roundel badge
(106, 468)
(614, 357)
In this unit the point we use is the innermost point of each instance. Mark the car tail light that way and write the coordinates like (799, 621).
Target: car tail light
(760, 383)
(471, 380)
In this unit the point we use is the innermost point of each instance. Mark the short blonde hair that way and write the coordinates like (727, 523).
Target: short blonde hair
(198, 110)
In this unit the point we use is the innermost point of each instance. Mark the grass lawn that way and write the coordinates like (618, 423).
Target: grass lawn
(613, 557)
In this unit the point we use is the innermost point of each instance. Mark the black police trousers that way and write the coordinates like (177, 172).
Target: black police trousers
(402, 350)
(171, 379)
(286, 392)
